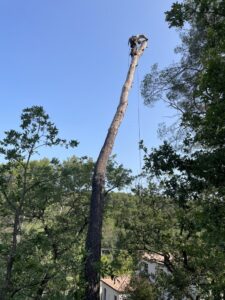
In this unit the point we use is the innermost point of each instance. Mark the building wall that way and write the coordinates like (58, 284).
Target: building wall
(110, 293)
(148, 267)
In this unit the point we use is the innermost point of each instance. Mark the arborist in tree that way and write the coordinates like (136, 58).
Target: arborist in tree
(134, 41)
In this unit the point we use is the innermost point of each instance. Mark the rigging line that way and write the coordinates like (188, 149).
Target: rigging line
(139, 124)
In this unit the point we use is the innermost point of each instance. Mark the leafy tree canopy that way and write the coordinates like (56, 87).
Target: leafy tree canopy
(184, 220)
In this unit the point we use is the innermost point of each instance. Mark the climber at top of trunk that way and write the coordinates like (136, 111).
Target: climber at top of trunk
(135, 41)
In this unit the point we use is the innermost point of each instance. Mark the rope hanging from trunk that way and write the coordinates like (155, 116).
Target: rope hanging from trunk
(139, 132)
(139, 121)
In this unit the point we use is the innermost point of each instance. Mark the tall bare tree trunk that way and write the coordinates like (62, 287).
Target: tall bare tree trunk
(93, 241)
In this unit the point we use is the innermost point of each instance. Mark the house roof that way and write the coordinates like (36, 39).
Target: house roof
(153, 257)
(119, 283)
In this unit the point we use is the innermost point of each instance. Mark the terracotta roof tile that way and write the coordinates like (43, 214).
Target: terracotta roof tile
(153, 257)
(119, 283)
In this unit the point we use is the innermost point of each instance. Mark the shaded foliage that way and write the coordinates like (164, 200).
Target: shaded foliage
(188, 223)
(44, 208)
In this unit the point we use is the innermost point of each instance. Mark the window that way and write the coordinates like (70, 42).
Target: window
(115, 297)
(144, 267)
(104, 294)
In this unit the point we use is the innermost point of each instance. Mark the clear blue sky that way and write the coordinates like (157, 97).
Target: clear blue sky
(72, 57)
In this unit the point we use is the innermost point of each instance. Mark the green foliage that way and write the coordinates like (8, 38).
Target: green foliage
(185, 218)
(37, 131)
(140, 288)
(195, 85)
(44, 207)
(116, 175)
(116, 260)
(41, 220)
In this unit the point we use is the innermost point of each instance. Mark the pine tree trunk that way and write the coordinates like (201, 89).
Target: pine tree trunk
(93, 241)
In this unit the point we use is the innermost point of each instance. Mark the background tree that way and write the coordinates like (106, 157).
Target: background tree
(185, 222)
(17, 184)
(141, 289)
(48, 247)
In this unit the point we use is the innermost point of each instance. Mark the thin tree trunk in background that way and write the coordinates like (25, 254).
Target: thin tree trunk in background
(10, 260)
(42, 287)
(7, 284)
(93, 241)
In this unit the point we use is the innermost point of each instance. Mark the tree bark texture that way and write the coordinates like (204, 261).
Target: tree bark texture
(93, 241)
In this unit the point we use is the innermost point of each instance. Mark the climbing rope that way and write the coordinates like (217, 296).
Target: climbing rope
(139, 177)
(139, 132)
(139, 120)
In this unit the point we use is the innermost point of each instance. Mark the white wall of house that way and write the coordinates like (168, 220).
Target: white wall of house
(150, 267)
(107, 293)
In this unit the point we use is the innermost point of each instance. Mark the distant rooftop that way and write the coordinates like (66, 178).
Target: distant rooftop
(119, 283)
(153, 257)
